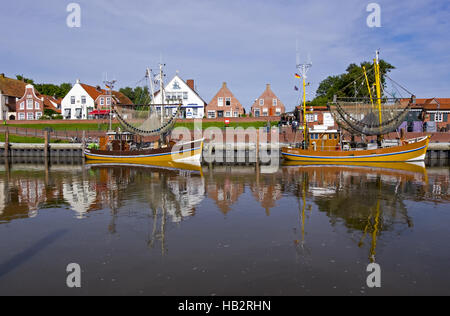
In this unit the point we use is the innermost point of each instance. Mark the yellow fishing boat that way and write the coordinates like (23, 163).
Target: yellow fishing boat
(362, 117)
(146, 136)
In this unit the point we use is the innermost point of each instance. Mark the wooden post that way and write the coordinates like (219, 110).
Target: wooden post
(46, 143)
(257, 147)
(6, 153)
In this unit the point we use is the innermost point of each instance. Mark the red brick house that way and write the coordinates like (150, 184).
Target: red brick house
(31, 105)
(318, 115)
(268, 104)
(224, 104)
(436, 110)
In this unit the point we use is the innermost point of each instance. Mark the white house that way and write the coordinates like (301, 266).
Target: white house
(78, 103)
(84, 101)
(177, 89)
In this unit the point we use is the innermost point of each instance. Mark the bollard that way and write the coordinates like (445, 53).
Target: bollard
(46, 143)
(6, 152)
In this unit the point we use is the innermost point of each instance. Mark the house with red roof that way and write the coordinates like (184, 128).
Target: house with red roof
(31, 105)
(268, 104)
(10, 91)
(84, 101)
(224, 104)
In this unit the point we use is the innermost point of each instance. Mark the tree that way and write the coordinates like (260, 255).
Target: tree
(343, 85)
(26, 80)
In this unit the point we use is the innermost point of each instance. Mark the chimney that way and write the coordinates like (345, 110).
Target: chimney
(190, 83)
(78, 81)
(268, 86)
(224, 85)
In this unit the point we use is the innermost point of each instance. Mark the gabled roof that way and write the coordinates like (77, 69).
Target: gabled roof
(95, 92)
(268, 94)
(12, 87)
(224, 91)
(177, 76)
(49, 103)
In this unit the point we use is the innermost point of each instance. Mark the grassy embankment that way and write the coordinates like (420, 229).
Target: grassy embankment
(104, 127)
(28, 139)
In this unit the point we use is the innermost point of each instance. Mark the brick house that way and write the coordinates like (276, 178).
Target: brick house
(224, 104)
(318, 115)
(31, 105)
(84, 101)
(10, 91)
(268, 104)
(436, 113)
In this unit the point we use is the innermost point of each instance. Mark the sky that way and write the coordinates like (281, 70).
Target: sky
(246, 43)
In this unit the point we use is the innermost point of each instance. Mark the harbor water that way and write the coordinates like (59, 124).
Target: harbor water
(224, 230)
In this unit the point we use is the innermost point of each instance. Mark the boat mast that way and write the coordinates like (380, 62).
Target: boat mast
(378, 83)
(109, 85)
(152, 90)
(161, 90)
(303, 69)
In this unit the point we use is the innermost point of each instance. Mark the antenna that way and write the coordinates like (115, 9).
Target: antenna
(297, 54)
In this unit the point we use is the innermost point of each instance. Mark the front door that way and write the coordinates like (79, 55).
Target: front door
(219, 113)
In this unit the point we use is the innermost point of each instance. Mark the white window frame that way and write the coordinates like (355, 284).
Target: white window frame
(228, 114)
(30, 104)
(21, 116)
(274, 102)
(83, 99)
(261, 102)
(22, 105)
(439, 117)
(38, 115)
(185, 95)
(72, 99)
(30, 116)
(102, 101)
(36, 105)
(227, 99)
(211, 114)
(236, 114)
(108, 101)
(195, 111)
(220, 102)
(278, 111)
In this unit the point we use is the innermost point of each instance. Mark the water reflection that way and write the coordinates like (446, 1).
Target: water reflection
(367, 199)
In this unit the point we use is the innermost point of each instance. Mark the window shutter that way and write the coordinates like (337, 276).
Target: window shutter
(432, 116)
(445, 117)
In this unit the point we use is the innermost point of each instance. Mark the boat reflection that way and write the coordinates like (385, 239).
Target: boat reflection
(368, 199)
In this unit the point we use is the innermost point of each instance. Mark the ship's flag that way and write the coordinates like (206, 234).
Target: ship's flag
(295, 88)
(107, 87)
(297, 76)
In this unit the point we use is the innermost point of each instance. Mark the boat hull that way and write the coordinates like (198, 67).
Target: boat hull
(412, 151)
(190, 153)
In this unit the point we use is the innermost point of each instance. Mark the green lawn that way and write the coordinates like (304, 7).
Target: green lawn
(104, 126)
(28, 140)
(67, 126)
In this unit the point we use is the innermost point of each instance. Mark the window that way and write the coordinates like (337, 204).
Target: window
(309, 118)
(185, 95)
(228, 101)
(21, 116)
(274, 102)
(83, 99)
(72, 100)
(261, 101)
(36, 105)
(439, 117)
(30, 116)
(108, 101)
(257, 114)
(102, 101)
(220, 102)
(227, 114)
(265, 112)
(236, 114)
(278, 111)
(195, 111)
(38, 115)
(22, 105)
(29, 104)
(211, 114)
